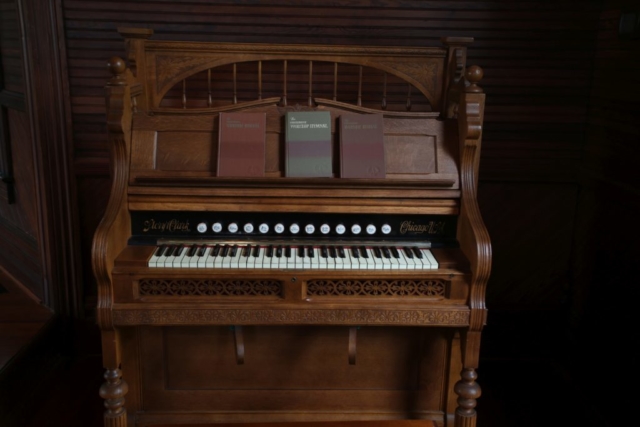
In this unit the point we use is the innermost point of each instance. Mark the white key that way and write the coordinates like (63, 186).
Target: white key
(432, 259)
(245, 256)
(226, 260)
(168, 260)
(184, 262)
(177, 260)
(260, 260)
(192, 261)
(358, 262)
(281, 261)
(402, 261)
(409, 261)
(306, 261)
(395, 263)
(323, 263)
(153, 261)
(340, 262)
(298, 261)
(291, 259)
(315, 261)
(201, 260)
(210, 258)
(234, 261)
(386, 262)
(370, 260)
(349, 262)
(331, 262)
(219, 259)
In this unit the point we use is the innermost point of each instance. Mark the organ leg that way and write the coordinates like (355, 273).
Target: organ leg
(114, 388)
(466, 388)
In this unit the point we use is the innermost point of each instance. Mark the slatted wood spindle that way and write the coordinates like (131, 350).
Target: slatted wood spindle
(259, 79)
(284, 84)
(384, 92)
(335, 81)
(310, 99)
(360, 86)
(408, 106)
(210, 98)
(184, 93)
(235, 85)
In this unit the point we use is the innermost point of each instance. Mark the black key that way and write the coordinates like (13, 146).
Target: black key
(192, 251)
(363, 252)
(417, 252)
(301, 251)
(323, 252)
(341, 252)
(225, 251)
(233, 250)
(180, 250)
(256, 251)
(354, 252)
(279, 251)
(385, 252)
(269, 253)
(246, 251)
(171, 251)
(377, 252)
(201, 251)
(394, 252)
(216, 250)
(160, 250)
(408, 252)
(287, 251)
(332, 251)
(310, 251)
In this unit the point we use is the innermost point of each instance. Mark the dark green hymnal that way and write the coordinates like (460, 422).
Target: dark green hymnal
(308, 144)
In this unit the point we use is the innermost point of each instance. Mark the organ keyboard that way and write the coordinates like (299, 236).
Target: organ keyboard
(231, 299)
(383, 256)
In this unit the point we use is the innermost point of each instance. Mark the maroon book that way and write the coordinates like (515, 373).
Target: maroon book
(362, 146)
(241, 144)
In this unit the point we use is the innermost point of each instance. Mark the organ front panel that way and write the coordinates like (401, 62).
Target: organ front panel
(291, 299)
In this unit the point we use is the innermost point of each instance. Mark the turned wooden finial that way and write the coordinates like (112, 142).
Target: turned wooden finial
(116, 66)
(473, 74)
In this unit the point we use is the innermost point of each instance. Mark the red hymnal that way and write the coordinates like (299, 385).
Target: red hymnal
(362, 146)
(241, 144)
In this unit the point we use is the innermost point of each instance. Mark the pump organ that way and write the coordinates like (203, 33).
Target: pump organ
(275, 298)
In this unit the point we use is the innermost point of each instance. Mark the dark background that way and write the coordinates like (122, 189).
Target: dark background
(558, 183)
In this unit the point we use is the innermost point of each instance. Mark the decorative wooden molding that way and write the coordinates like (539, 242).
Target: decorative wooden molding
(307, 316)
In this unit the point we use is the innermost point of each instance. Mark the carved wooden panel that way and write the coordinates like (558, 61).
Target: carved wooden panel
(376, 288)
(210, 288)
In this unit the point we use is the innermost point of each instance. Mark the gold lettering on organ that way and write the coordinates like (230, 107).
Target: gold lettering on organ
(432, 227)
(170, 226)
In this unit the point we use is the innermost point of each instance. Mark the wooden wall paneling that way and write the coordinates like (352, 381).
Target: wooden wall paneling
(45, 96)
(19, 231)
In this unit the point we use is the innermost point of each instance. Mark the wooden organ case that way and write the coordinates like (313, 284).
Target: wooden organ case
(209, 344)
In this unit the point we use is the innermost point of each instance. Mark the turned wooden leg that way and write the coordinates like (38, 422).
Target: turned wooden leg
(468, 391)
(113, 391)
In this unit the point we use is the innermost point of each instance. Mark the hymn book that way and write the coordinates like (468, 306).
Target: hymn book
(241, 144)
(308, 144)
(362, 146)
